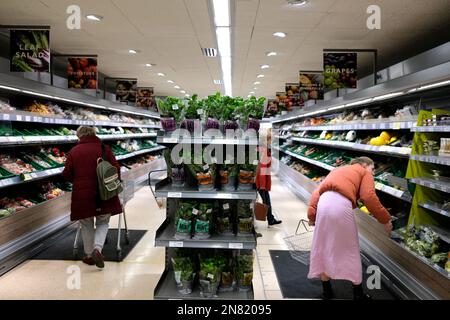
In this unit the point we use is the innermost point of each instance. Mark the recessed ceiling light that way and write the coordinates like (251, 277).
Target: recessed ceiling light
(177, 87)
(260, 76)
(132, 51)
(255, 88)
(252, 92)
(182, 91)
(270, 54)
(169, 81)
(94, 17)
(186, 95)
(256, 82)
(279, 34)
(217, 81)
(148, 65)
(249, 96)
(265, 66)
(161, 74)
(297, 3)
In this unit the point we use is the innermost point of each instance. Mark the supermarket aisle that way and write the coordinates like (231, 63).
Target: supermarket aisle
(137, 276)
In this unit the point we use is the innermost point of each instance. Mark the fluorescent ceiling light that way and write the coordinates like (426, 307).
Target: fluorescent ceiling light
(270, 54)
(265, 66)
(223, 41)
(279, 34)
(297, 3)
(388, 96)
(226, 70)
(132, 51)
(221, 10)
(161, 74)
(260, 76)
(176, 87)
(169, 81)
(256, 82)
(249, 96)
(357, 103)
(434, 85)
(148, 65)
(216, 81)
(94, 17)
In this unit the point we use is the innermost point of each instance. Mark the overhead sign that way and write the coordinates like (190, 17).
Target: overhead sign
(82, 73)
(340, 70)
(145, 98)
(29, 50)
(311, 85)
(126, 90)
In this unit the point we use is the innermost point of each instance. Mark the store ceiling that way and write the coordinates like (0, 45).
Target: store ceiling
(171, 33)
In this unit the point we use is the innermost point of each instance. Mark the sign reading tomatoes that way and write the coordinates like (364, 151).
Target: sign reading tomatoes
(82, 73)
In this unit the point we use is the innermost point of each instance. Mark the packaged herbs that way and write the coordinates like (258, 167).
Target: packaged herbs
(244, 270)
(225, 219)
(209, 276)
(183, 220)
(228, 174)
(184, 272)
(245, 217)
(203, 218)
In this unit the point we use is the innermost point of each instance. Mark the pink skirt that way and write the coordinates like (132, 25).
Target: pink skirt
(335, 248)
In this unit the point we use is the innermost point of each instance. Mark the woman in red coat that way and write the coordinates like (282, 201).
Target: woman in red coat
(80, 169)
(263, 175)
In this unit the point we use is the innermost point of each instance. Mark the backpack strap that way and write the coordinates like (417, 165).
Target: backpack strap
(103, 157)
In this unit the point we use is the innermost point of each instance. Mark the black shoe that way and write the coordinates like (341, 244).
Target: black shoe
(258, 235)
(274, 222)
(98, 259)
(327, 293)
(358, 293)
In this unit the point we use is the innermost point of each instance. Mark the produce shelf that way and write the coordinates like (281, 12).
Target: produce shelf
(25, 140)
(441, 185)
(431, 129)
(166, 289)
(442, 233)
(30, 177)
(282, 137)
(136, 153)
(23, 116)
(365, 125)
(165, 237)
(164, 189)
(393, 151)
(206, 140)
(403, 195)
(303, 158)
(435, 207)
(432, 159)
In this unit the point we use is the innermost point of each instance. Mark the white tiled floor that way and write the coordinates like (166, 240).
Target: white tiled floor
(137, 276)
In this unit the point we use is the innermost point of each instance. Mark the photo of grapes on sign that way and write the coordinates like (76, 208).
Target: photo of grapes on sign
(82, 73)
(340, 70)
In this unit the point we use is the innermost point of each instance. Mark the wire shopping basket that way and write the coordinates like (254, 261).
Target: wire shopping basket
(300, 243)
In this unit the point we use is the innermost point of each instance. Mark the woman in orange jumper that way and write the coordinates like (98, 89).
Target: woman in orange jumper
(335, 252)
(263, 175)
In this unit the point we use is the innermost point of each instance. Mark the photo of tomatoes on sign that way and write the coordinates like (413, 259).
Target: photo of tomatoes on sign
(340, 70)
(82, 73)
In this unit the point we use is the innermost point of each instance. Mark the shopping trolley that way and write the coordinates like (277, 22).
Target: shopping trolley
(126, 195)
(300, 243)
(160, 174)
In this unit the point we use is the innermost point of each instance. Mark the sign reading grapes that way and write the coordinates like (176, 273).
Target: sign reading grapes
(340, 70)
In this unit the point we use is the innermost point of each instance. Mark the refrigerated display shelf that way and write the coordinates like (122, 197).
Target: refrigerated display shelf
(207, 140)
(165, 237)
(25, 140)
(24, 116)
(166, 289)
(283, 137)
(432, 159)
(375, 125)
(164, 189)
(442, 233)
(388, 150)
(403, 195)
(436, 184)
(435, 207)
(136, 153)
(431, 129)
(29, 177)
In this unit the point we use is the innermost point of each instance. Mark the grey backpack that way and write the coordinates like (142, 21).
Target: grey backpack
(109, 184)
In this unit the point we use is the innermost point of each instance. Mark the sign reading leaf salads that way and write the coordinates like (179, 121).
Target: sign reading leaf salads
(29, 50)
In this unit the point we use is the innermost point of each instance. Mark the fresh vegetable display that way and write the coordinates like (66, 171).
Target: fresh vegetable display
(244, 269)
(183, 220)
(203, 219)
(175, 172)
(209, 276)
(247, 174)
(171, 110)
(245, 217)
(228, 174)
(423, 240)
(225, 218)
(183, 268)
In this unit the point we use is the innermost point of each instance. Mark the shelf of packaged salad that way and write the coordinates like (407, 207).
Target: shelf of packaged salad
(393, 151)
(443, 160)
(403, 195)
(375, 124)
(165, 237)
(167, 289)
(23, 116)
(440, 184)
(25, 140)
(165, 189)
(433, 206)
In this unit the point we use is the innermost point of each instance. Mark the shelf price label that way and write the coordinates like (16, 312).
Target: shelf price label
(397, 125)
(171, 140)
(6, 117)
(174, 194)
(19, 118)
(235, 245)
(176, 244)
(226, 196)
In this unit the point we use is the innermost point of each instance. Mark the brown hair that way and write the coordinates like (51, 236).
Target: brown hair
(85, 131)
(363, 161)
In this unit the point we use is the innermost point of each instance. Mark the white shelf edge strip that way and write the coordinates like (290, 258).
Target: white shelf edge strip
(395, 125)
